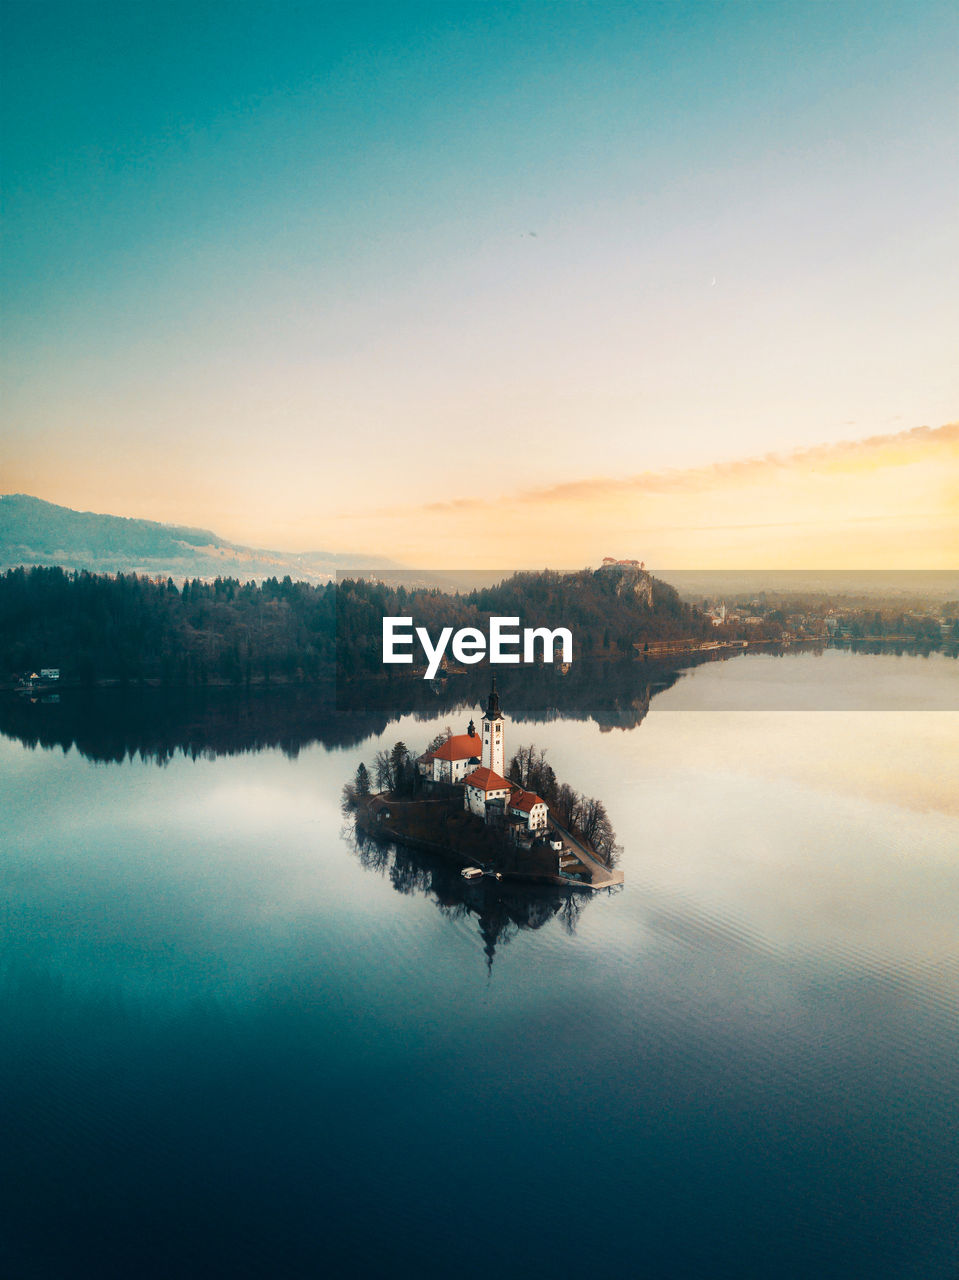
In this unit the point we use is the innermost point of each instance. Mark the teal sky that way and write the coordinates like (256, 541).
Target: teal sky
(257, 257)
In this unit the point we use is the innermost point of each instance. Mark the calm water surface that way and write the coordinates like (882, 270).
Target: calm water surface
(235, 1044)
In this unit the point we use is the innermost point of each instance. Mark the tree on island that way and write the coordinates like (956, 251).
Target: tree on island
(584, 816)
(395, 770)
(434, 744)
(597, 830)
(355, 792)
(567, 805)
(528, 767)
(403, 769)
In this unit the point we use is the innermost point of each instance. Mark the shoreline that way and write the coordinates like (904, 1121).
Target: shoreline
(670, 651)
(601, 876)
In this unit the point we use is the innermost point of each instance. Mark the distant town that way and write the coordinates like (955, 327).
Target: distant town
(772, 617)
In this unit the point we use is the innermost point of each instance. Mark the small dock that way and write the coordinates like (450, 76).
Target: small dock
(601, 876)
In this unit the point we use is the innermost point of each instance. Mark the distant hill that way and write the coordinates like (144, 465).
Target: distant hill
(36, 532)
(130, 628)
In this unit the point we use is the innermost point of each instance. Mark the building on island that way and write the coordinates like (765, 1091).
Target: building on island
(475, 762)
(482, 786)
(489, 794)
(529, 810)
(452, 761)
(380, 809)
(493, 732)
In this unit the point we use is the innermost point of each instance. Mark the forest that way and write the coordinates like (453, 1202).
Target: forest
(131, 628)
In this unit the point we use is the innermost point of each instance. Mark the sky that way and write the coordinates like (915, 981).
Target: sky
(490, 284)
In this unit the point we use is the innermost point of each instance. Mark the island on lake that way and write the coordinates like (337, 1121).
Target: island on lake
(458, 799)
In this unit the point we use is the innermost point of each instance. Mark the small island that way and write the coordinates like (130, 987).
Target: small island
(457, 799)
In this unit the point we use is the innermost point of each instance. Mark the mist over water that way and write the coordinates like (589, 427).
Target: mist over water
(236, 1043)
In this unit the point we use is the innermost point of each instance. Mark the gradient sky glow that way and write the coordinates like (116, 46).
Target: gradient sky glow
(271, 269)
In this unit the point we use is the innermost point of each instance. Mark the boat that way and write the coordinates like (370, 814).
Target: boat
(472, 873)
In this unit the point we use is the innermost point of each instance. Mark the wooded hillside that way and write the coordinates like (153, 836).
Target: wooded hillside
(132, 628)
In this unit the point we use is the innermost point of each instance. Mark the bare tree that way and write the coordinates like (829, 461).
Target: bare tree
(567, 805)
(383, 769)
(592, 812)
(440, 738)
(541, 778)
(519, 766)
(597, 830)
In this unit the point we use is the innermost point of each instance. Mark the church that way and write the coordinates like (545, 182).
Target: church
(477, 761)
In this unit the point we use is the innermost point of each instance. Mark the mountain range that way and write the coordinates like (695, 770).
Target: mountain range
(34, 532)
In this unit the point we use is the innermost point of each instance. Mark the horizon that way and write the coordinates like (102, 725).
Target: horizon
(691, 582)
(916, 472)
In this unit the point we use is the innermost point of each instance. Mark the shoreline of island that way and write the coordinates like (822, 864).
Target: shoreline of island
(460, 800)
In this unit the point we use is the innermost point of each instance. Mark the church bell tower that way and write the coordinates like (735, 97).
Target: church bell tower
(493, 725)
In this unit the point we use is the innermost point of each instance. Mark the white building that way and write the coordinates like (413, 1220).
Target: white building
(487, 782)
(530, 809)
(494, 732)
(483, 785)
(477, 762)
(452, 761)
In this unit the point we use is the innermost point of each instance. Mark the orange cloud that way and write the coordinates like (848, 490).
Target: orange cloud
(885, 501)
(921, 444)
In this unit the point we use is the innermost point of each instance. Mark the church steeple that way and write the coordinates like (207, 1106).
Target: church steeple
(492, 707)
(493, 733)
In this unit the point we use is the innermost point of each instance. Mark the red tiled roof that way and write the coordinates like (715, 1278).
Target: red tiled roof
(525, 800)
(459, 747)
(486, 780)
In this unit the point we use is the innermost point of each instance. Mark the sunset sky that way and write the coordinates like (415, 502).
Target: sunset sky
(490, 284)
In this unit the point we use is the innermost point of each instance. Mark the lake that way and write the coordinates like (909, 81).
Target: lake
(234, 1043)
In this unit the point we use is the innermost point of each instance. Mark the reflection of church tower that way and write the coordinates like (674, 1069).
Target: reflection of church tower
(495, 926)
(493, 724)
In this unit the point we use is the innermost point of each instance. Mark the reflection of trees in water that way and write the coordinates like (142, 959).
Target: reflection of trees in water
(116, 724)
(612, 694)
(154, 724)
(500, 909)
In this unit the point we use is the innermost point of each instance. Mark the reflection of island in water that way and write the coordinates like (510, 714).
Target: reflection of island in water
(114, 724)
(499, 909)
